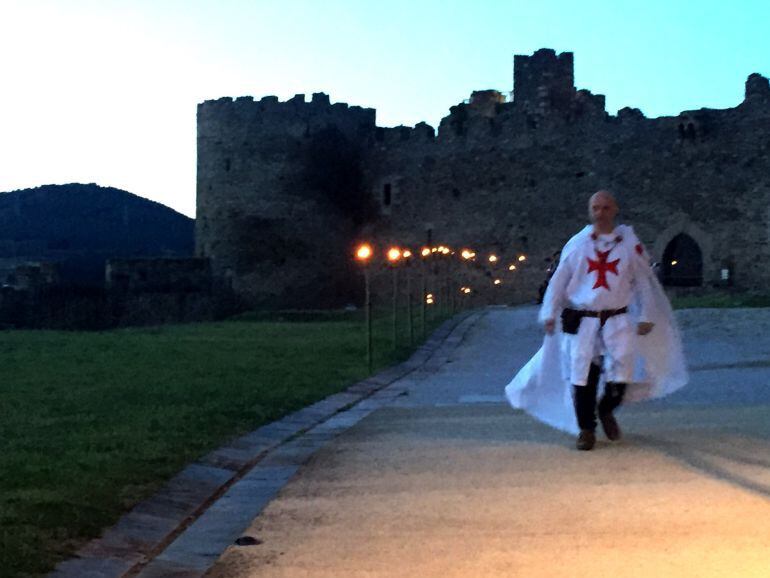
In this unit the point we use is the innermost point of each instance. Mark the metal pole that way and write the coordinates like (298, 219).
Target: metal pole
(368, 309)
(447, 296)
(422, 299)
(409, 306)
(434, 288)
(450, 294)
(395, 307)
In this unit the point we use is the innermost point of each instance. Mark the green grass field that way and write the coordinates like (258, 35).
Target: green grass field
(92, 423)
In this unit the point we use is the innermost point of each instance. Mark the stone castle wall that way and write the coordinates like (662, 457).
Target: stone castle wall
(508, 178)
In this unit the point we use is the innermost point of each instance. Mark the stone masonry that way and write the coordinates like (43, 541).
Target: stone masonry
(285, 190)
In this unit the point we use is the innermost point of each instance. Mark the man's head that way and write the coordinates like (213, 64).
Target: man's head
(602, 210)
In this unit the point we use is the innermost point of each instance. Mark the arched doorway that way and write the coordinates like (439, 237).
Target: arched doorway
(682, 262)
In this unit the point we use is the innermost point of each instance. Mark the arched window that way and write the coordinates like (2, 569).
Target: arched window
(682, 262)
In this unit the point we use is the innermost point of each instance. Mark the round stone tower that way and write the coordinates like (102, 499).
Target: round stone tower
(279, 196)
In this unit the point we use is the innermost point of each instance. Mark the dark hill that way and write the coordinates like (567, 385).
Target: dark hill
(81, 226)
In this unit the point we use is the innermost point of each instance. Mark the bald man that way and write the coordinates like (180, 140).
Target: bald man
(598, 277)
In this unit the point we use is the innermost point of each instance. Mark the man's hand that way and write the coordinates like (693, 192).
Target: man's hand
(644, 327)
(549, 326)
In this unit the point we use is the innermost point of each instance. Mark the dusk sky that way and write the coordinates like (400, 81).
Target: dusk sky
(105, 91)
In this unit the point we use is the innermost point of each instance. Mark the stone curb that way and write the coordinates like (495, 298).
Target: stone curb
(183, 529)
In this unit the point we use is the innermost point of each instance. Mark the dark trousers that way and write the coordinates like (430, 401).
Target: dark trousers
(585, 398)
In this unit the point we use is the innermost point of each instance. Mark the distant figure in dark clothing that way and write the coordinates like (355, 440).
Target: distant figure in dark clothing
(554, 263)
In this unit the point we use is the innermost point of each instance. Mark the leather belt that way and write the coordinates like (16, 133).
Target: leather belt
(604, 314)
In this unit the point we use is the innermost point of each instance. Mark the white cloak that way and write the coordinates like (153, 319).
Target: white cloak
(542, 387)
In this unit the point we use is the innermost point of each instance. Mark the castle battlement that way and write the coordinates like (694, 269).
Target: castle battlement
(487, 119)
(219, 118)
(274, 178)
(404, 135)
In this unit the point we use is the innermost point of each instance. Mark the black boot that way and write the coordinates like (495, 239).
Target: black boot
(586, 440)
(611, 400)
(584, 397)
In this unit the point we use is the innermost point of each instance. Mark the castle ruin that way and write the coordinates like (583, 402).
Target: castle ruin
(285, 189)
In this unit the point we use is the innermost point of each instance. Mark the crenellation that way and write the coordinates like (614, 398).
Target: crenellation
(757, 89)
(628, 113)
(485, 102)
(320, 99)
(269, 115)
(424, 132)
(403, 137)
(588, 104)
(455, 125)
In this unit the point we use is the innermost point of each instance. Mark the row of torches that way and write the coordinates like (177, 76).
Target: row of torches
(394, 255)
(364, 253)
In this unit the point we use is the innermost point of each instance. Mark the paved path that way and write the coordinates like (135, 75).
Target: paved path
(440, 478)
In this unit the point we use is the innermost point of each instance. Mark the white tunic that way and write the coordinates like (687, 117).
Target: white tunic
(597, 273)
(607, 272)
(543, 387)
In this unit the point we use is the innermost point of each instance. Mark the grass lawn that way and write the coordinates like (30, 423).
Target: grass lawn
(92, 423)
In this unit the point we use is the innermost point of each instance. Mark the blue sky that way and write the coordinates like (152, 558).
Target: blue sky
(106, 91)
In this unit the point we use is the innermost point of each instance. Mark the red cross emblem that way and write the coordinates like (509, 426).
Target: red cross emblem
(602, 267)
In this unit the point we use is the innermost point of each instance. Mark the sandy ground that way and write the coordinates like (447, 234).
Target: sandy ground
(449, 481)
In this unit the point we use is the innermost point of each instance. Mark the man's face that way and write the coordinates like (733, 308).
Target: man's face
(602, 209)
